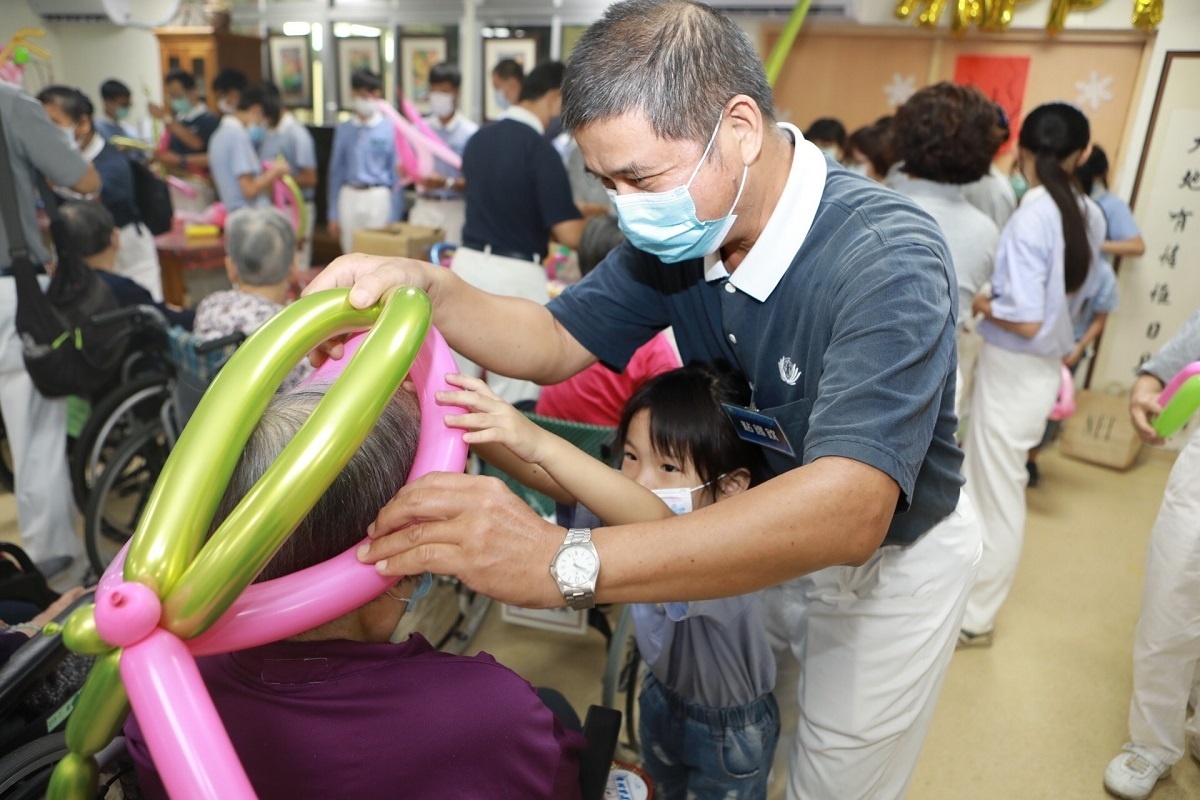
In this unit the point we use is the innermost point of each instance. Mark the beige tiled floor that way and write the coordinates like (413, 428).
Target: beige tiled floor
(1038, 715)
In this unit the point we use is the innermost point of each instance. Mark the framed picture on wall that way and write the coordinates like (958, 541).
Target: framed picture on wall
(523, 51)
(418, 55)
(291, 70)
(355, 53)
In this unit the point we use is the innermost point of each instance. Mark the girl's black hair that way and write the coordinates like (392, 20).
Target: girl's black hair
(1095, 167)
(687, 422)
(1052, 132)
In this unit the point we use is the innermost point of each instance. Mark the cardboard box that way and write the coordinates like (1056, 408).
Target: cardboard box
(398, 239)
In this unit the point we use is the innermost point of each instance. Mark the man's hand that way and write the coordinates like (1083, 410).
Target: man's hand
(159, 112)
(471, 527)
(278, 169)
(492, 420)
(981, 305)
(1072, 358)
(1143, 405)
(167, 158)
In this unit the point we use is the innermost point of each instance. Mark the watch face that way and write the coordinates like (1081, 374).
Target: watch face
(576, 566)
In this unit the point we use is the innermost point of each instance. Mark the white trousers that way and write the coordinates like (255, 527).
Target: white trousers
(1166, 642)
(969, 343)
(508, 277)
(37, 433)
(1013, 396)
(362, 209)
(449, 215)
(862, 653)
(137, 259)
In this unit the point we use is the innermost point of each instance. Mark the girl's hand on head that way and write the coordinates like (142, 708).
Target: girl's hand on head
(491, 419)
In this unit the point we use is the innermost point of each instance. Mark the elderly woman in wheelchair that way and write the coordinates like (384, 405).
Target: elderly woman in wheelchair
(338, 711)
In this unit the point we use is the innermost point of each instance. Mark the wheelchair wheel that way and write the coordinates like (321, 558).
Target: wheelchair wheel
(113, 420)
(448, 616)
(25, 772)
(121, 493)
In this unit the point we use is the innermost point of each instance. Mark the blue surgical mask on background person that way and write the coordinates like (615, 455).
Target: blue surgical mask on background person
(257, 132)
(181, 105)
(501, 100)
(1019, 184)
(424, 584)
(665, 224)
(122, 113)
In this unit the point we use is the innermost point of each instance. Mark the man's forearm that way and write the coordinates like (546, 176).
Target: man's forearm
(508, 335)
(831, 512)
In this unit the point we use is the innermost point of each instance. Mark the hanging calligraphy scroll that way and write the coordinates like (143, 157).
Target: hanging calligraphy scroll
(1160, 289)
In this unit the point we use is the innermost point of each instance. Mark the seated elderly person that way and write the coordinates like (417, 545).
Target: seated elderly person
(97, 239)
(338, 711)
(260, 261)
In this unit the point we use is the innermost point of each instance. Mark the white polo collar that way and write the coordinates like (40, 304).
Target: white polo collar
(524, 115)
(763, 267)
(231, 121)
(455, 120)
(369, 122)
(93, 148)
(193, 112)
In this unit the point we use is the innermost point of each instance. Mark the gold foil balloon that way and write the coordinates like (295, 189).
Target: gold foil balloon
(1060, 8)
(1147, 14)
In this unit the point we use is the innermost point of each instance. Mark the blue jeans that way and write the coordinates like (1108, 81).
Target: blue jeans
(695, 753)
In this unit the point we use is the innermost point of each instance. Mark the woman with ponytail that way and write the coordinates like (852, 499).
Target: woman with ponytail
(1044, 271)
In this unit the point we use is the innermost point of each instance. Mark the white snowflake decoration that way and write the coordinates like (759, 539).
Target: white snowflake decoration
(1095, 91)
(900, 89)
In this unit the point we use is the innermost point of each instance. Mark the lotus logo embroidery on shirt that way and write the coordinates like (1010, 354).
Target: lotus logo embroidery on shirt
(788, 371)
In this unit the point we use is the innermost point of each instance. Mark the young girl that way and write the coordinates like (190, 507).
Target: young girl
(709, 723)
(1044, 272)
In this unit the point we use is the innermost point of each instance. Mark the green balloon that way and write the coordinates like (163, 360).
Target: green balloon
(21, 55)
(74, 778)
(1180, 409)
(80, 634)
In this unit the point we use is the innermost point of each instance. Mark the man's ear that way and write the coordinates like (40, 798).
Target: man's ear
(735, 482)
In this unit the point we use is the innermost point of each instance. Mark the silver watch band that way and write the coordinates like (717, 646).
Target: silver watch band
(577, 536)
(578, 598)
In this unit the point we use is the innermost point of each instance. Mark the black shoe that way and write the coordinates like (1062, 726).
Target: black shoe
(1034, 475)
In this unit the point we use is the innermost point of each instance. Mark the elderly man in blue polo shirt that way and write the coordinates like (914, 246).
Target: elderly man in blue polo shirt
(836, 298)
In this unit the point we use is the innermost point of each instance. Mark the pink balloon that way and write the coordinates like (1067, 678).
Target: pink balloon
(1065, 405)
(185, 735)
(182, 186)
(283, 607)
(427, 147)
(1183, 376)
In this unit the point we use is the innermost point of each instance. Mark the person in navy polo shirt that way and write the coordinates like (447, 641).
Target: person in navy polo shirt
(518, 199)
(837, 300)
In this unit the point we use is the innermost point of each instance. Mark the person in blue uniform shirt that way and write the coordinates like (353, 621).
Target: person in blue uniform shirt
(289, 139)
(440, 203)
(227, 89)
(137, 257)
(237, 168)
(189, 122)
(835, 297)
(362, 169)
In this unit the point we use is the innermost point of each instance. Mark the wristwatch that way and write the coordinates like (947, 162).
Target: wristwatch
(575, 568)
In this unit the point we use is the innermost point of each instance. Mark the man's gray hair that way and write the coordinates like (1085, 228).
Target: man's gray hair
(340, 518)
(262, 244)
(676, 61)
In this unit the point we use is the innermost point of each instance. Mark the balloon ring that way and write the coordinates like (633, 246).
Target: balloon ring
(1179, 400)
(174, 593)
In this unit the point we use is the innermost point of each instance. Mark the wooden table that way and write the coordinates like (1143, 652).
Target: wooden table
(177, 252)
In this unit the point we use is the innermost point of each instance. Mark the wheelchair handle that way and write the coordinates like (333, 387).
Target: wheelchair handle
(139, 314)
(237, 337)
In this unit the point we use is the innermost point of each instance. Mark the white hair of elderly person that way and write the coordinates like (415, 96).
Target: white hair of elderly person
(260, 261)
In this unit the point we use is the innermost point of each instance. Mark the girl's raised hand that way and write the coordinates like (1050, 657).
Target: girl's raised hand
(492, 420)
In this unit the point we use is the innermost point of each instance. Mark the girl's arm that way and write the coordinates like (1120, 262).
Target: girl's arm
(507, 439)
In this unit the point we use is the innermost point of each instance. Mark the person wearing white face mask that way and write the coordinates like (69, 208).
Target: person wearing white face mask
(362, 169)
(441, 203)
(227, 88)
(137, 257)
(836, 298)
(709, 723)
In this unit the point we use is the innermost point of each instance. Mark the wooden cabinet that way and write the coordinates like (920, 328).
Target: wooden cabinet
(204, 53)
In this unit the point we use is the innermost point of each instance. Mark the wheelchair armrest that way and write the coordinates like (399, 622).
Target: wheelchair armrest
(601, 728)
(33, 660)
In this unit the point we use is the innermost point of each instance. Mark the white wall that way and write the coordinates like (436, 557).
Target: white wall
(91, 52)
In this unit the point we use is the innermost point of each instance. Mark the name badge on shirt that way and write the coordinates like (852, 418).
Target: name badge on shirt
(758, 428)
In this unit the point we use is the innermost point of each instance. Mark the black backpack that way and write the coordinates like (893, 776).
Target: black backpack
(153, 199)
(20, 580)
(65, 351)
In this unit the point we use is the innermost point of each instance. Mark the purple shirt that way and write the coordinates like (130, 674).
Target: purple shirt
(350, 719)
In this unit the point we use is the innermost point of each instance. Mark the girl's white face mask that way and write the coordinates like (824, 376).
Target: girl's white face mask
(679, 500)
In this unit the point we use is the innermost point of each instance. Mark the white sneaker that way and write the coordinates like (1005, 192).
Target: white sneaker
(1133, 774)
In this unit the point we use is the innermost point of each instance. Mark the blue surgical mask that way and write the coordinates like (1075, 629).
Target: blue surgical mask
(181, 105)
(502, 101)
(1019, 185)
(257, 132)
(424, 584)
(665, 224)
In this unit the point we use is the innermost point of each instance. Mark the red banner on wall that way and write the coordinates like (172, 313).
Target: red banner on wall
(1001, 78)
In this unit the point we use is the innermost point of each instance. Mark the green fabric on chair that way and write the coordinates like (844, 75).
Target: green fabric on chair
(591, 439)
(78, 411)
